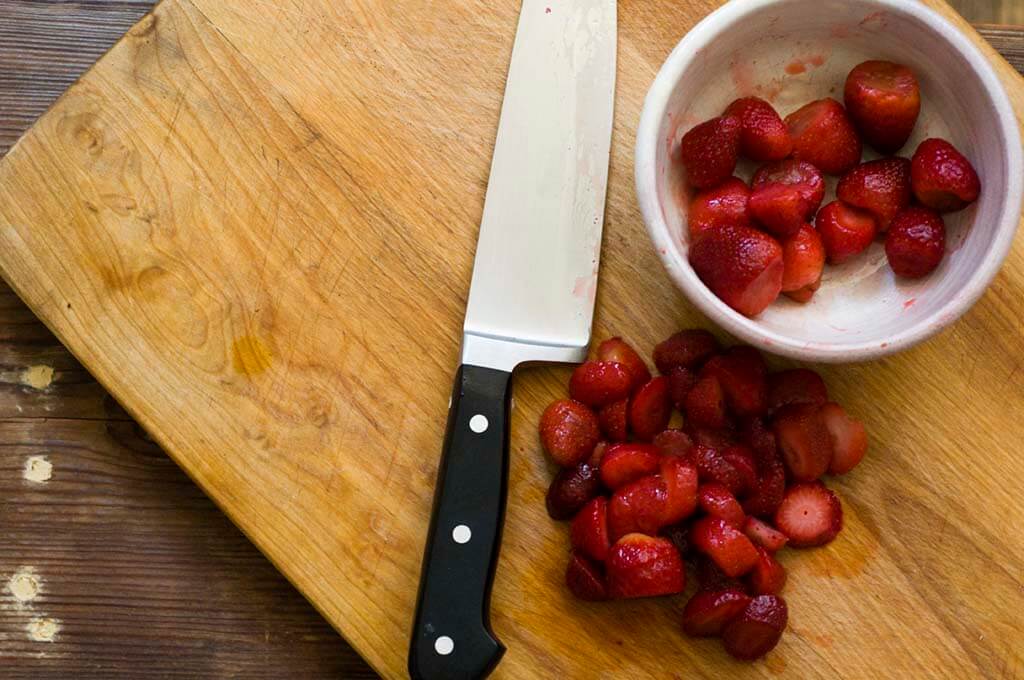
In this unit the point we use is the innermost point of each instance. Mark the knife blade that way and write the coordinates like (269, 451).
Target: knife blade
(531, 299)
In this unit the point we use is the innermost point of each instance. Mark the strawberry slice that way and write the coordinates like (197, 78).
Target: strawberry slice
(804, 440)
(942, 178)
(845, 231)
(785, 195)
(614, 420)
(796, 386)
(618, 351)
(723, 204)
(705, 404)
(708, 611)
(764, 535)
(916, 242)
(571, 489)
(881, 187)
(713, 468)
(803, 258)
(649, 410)
(568, 431)
(742, 461)
(589, 530)
(585, 579)
(770, 489)
(810, 515)
(824, 136)
(730, 549)
(686, 349)
(644, 566)
(768, 576)
(625, 463)
(744, 378)
(598, 383)
(884, 101)
(849, 438)
(757, 629)
(760, 441)
(763, 135)
(674, 443)
(716, 501)
(741, 265)
(710, 150)
(638, 507)
(680, 381)
(680, 478)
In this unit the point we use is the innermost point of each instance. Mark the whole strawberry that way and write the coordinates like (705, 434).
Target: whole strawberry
(881, 187)
(916, 242)
(884, 101)
(942, 178)
(709, 151)
(845, 231)
(824, 136)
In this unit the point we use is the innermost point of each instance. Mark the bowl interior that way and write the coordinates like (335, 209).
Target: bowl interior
(792, 52)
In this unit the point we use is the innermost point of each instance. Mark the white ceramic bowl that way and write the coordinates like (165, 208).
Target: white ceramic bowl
(791, 52)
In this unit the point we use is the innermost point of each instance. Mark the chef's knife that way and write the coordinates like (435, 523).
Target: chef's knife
(531, 299)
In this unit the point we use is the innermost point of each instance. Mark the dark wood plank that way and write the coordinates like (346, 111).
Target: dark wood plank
(1008, 40)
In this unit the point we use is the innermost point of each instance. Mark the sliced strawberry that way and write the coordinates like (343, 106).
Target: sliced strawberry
(722, 204)
(785, 195)
(760, 440)
(649, 410)
(571, 489)
(716, 501)
(585, 578)
(803, 258)
(638, 507)
(916, 242)
(744, 378)
(680, 478)
(796, 386)
(845, 231)
(624, 463)
(644, 566)
(942, 178)
(597, 383)
(705, 404)
(709, 576)
(731, 550)
(757, 629)
(710, 150)
(763, 135)
(719, 439)
(614, 419)
(741, 265)
(810, 515)
(674, 443)
(884, 101)
(770, 489)
(708, 611)
(688, 349)
(764, 535)
(805, 294)
(617, 350)
(849, 438)
(824, 136)
(680, 381)
(768, 576)
(881, 187)
(713, 468)
(804, 440)
(743, 462)
(568, 431)
(589, 530)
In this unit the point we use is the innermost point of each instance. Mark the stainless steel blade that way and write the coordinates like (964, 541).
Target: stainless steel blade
(535, 275)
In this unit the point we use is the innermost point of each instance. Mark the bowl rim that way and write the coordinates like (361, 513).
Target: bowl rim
(671, 254)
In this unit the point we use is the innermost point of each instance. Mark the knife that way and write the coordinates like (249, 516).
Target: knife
(531, 299)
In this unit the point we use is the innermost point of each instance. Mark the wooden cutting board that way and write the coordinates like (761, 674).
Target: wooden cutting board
(254, 223)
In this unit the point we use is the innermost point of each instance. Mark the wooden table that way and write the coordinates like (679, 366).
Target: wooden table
(112, 562)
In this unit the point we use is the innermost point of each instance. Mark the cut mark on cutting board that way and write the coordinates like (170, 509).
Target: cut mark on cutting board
(250, 355)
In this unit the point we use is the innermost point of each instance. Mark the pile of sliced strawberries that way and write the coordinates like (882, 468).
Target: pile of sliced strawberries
(737, 482)
(749, 244)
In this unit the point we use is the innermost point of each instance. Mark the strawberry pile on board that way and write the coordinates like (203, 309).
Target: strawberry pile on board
(749, 244)
(725, 492)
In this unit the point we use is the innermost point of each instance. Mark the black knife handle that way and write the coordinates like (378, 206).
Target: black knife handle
(452, 638)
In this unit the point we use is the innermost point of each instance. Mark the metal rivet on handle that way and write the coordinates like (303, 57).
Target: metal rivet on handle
(478, 423)
(461, 534)
(444, 645)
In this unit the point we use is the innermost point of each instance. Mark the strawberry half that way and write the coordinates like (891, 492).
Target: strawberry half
(824, 136)
(716, 501)
(710, 150)
(614, 420)
(585, 579)
(881, 187)
(712, 467)
(638, 507)
(804, 440)
(764, 535)
(618, 350)
(644, 566)
(884, 101)
(730, 549)
(710, 577)
(760, 441)
(568, 431)
(942, 178)
(916, 242)
(708, 611)
(810, 515)
(757, 629)
(796, 386)
(723, 204)
(680, 479)
(763, 135)
(674, 443)
(625, 463)
(743, 375)
(849, 438)
(803, 258)
(845, 231)
(598, 383)
(588, 532)
(768, 576)
(680, 381)
(705, 404)
(785, 194)
(743, 462)
(571, 489)
(686, 349)
(741, 265)
(771, 487)
(649, 409)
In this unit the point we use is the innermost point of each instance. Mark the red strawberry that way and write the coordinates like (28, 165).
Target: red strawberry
(743, 375)
(585, 579)
(649, 410)
(589, 530)
(624, 463)
(764, 535)
(796, 386)
(712, 467)
(849, 439)
(715, 438)
(884, 101)
(618, 351)
(810, 515)
(709, 576)
(674, 443)
(644, 566)
(679, 534)
(708, 611)
(705, 404)
(760, 440)
(763, 135)
(804, 440)
(824, 136)
(731, 550)
(568, 431)
(845, 231)
(716, 501)
(680, 381)
(571, 489)
(597, 383)
(723, 204)
(614, 420)
(680, 478)
(740, 265)
(881, 187)
(709, 151)
(805, 294)
(768, 576)
(757, 629)
(688, 349)
(743, 461)
(784, 195)
(770, 489)
(803, 257)
(916, 242)
(942, 178)
(638, 507)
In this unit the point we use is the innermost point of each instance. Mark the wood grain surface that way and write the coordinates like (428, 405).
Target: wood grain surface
(150, 492)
